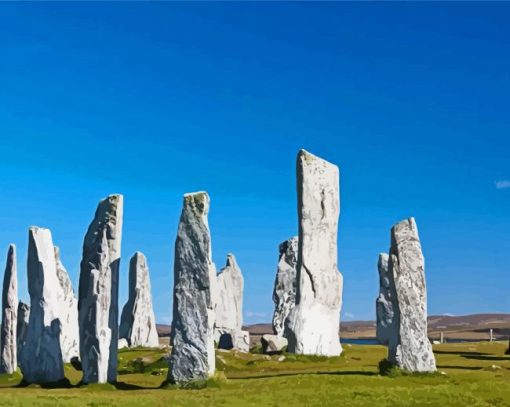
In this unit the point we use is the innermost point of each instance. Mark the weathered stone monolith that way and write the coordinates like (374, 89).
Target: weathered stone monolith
(195, 293)
(98, 292)
(383, 305)
(229, 307)
(284, 292)
(8, 353)
(70, 335)
(137, 322)
(22, 325)
(409, 347)
(314, 323)
(41, 357)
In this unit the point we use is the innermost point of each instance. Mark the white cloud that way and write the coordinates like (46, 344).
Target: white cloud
(255, 314)
(504, 184)
(448, 315)
(348, 315)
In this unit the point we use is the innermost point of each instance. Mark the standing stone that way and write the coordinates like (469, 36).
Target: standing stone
(383, 305)
(284, 292)
(229, 308)
(69, 337)
(8, 353)
(409, 347)
(99, 291)
(137, 323)
(41, 357)
(314, 323)
(22, 325)
(195, 293)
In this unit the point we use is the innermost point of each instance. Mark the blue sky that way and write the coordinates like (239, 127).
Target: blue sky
(410, 100)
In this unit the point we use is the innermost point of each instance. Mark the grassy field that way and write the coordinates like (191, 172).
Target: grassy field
(471, 375)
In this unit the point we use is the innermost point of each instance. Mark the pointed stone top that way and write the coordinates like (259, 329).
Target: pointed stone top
(37, 229)
(138, 255)
(198, 201)
(291, 241)
(308, 160)
(231, 261)
(383, 260)
(404, 230)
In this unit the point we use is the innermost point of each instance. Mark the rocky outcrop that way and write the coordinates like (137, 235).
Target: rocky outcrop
(41, 357)
(8, 353)
(314, 323)
(137, 323)
(409, 347)
(98, 292)
(194, 298)
(272, 344)
(22, 325)
(383, 305)
(284, 292)
(69, 336)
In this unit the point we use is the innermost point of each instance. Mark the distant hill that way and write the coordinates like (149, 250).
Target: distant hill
(469, 327)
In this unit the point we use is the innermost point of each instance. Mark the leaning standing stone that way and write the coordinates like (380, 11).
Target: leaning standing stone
(192, 337)
(384, 309)
(409, 347)
(22, 325)
(314, 323)
(8, 354)
(41, 357)
(98, 293)
(284, 292)
(137, 323)
(69, 337)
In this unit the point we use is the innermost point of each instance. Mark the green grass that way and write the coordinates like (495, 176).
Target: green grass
(468, 375)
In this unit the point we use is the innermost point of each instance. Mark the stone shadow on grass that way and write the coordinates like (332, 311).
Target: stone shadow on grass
(62, 384)
(460, 353)
(459, 367)
(487, 357)
(333, 373)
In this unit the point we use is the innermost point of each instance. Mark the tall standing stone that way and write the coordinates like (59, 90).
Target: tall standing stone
(383, 305)
(195, 293)
(138, 324)
(69, 337)
(409, 347)
(41, 357)
(314, 323)
(98, 292)
(22, 325)
(284, 292)
(229, 307)
(8, 353)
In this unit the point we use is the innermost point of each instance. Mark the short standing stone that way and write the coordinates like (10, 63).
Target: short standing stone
(98, 292)
(69, 337)
(409, 347)
(192, 339)
(383, 305)
(22, 325)
(314, 323)
(273, 343)
(137, 323)
(8, 353)
(284, 292)
(234, 339)
(41, 357)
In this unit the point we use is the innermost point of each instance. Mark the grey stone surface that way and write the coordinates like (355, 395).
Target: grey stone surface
(409, 347)
(195, 291)
(314, 323)
(383, 304)
(22, 326)
(8, 345)
(233, 339)
(138, 324)
(98, 292)
(273, 343)
(41, 357)
(229, 304)
(69, 336)
(284, 292)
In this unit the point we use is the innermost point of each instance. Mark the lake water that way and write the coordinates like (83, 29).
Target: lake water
(373, 341)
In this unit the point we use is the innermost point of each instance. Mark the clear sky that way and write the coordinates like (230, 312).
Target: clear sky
(410, 100)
